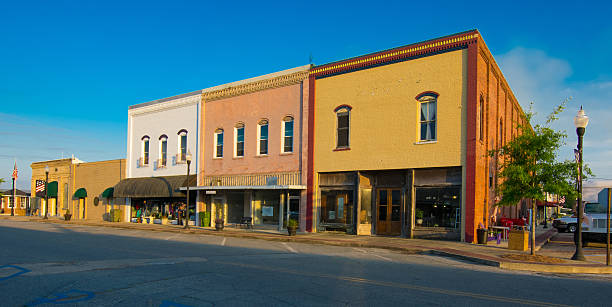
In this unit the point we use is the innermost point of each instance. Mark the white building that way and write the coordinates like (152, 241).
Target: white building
(160, 134)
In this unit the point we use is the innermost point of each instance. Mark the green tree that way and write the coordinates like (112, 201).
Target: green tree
(529, 167)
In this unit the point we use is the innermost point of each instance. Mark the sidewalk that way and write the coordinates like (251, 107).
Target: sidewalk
(491, 255)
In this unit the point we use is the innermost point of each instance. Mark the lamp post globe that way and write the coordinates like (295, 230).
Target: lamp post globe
(46, 191)
(188, 160)
(580, 122)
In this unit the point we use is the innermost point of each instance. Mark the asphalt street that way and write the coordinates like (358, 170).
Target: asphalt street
(56, 264)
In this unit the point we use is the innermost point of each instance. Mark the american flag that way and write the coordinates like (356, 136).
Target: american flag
(15, 171)
(40, 186)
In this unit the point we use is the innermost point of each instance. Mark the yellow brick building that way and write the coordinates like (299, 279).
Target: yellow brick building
(83, 189)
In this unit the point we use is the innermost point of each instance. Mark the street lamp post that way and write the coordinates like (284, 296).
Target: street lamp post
(46, 191)
(580, 121)
(188, 159)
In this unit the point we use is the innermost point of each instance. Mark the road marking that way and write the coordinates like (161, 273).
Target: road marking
(372, 253)
(398, 285)
(289, 248)
(171, 237)
(223, 242)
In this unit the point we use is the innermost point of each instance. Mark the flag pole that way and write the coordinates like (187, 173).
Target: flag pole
(14, 199)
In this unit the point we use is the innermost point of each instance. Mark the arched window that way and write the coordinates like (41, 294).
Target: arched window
(501, 139)
(144, 158)
(163, 151)
(428, 116)
(182, 146)
(219, 143)
(481, 113)
(287, 134)
(262, 137)
(239, 140)
(343, 114)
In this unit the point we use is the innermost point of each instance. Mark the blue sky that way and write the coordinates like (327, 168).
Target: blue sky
(70, 69)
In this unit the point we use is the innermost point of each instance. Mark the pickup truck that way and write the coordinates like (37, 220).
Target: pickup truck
(566, 224)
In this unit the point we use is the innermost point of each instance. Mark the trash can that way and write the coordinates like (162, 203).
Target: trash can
(518, 240)
(481, 235)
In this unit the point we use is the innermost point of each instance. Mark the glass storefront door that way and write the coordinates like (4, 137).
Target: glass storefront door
(389, 207)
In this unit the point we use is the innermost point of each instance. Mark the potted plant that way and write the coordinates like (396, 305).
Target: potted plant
(219, 224)
(292, 226)
(164, 219)
(67, 215)
(418, 214)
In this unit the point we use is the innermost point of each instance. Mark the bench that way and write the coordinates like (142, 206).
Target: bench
(247, 222)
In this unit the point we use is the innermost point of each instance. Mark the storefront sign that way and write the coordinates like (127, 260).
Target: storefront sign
(267, 211)
(211, 192)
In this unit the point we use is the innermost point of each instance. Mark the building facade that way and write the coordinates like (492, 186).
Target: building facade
(60, 186)
(254, 150)
(162, 134)
(93, 196)
(20, 203)
(400, 139)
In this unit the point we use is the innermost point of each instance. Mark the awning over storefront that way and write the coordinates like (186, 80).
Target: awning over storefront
(247, 187)
(151, 187)
(52, 188)
(541, 203)
(108, 193)
(80, 193)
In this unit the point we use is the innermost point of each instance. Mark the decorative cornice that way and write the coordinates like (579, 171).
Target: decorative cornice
(396, 54)
(255, 86)
(166, 105)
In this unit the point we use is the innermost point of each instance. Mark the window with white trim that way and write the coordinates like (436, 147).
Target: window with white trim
(239, 140)
(163, 151)
(262, 137)
(182, 145)
(218, 143)
(287, 135)
(145, 151)
(343, 127)
(428, 117)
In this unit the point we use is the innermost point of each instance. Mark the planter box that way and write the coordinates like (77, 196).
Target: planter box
(157, 221)
(518, 240)
(173, 222)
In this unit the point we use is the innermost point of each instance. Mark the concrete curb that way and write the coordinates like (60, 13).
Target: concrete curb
(556, 268)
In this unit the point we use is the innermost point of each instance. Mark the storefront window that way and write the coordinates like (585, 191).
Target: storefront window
(365, 216)
(439, 206)
(337, 207)
(266, 207)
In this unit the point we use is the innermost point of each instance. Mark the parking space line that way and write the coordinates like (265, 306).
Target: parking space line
(224, 240)
(289, 248)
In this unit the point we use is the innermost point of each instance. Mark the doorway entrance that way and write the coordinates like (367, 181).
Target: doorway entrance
(389, 208)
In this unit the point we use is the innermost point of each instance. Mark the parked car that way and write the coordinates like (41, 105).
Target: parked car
(566, 224)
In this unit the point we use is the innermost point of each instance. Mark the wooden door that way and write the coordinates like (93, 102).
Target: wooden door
(389, 212)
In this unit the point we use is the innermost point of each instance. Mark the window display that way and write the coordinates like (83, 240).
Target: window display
(439, 206)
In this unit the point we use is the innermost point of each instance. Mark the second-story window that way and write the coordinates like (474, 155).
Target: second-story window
(287, 134)
(239, 140)
(219, 143)
(163, 151)
(428, 117)
(145, 151)
(182, 149)
(343, 114)
(262, 134)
